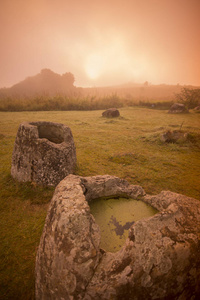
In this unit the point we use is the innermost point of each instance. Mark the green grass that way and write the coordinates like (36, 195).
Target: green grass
(128, 147)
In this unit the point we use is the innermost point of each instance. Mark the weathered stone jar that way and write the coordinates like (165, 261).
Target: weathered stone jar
(44, 153)
(159, 260)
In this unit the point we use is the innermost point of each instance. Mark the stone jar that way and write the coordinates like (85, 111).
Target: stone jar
(111, 113)
(159, 259)
(44, 153)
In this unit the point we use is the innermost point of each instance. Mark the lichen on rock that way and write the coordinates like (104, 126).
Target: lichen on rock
(159, 259)
(44, 153)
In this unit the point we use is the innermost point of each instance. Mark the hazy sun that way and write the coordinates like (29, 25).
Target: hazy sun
(95, 65)
(108, 55)
(113, 59)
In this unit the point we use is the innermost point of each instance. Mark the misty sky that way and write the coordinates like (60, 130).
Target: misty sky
(102, 42)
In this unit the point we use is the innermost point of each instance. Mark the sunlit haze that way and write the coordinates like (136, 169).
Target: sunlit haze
(101, 42)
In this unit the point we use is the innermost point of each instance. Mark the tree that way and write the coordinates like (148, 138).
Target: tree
(68, 79)
(189, 97)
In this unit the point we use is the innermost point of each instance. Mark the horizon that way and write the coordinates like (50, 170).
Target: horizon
(103, 43)
(120, 85)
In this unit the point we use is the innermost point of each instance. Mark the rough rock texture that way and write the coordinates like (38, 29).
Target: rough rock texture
(177, 108)
(111, 113)
(159, 260)
(173, 136)
(44, 152)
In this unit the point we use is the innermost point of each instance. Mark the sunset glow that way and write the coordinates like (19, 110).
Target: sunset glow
(108, 59)
(95, 65)
(101, 42)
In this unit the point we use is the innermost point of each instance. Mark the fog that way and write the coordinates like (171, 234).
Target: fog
(101, 42)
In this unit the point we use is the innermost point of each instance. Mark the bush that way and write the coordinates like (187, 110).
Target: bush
(189, 97)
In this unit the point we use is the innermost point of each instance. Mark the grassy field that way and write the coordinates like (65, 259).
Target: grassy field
(127, 147)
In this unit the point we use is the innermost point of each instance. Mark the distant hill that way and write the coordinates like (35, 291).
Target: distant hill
(51, 84)
(45, 83)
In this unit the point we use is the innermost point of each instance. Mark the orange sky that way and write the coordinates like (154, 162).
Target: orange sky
(102, 42)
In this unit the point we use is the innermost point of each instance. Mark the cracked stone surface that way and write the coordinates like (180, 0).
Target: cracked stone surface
(159, 260)
(44, 153)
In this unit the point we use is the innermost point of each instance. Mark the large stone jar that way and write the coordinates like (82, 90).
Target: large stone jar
(159, 260)
(44, 153)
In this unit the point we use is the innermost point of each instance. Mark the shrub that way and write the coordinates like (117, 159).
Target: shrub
(189, 97)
